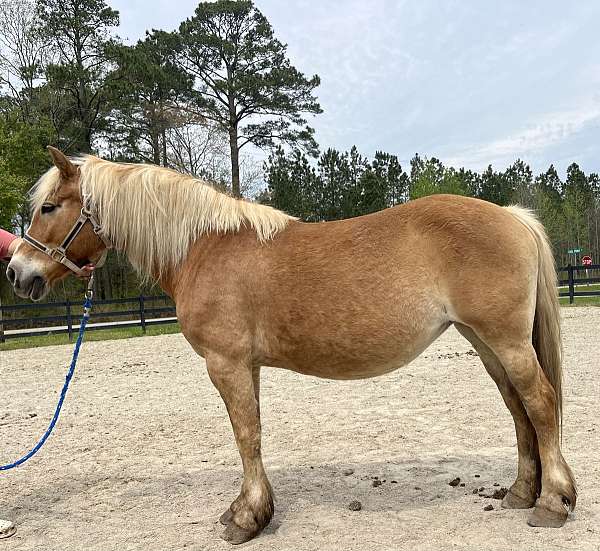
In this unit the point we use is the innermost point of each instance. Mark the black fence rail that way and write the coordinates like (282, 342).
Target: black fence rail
(579, 275)
(65, 317)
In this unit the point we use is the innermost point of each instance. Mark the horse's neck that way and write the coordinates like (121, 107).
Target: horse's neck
(201, 256)
(204, 255)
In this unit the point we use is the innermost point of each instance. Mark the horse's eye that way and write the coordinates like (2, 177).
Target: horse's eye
(47, 207)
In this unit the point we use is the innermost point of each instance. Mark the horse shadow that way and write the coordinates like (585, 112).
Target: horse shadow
(391, 486)
(395, 486)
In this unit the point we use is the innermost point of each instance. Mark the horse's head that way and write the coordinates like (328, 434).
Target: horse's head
(62, 237)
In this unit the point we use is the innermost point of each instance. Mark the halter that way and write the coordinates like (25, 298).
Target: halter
(59, 254)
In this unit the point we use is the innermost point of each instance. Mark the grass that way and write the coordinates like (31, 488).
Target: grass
(95, 335)
(581, 301)
(588, 287)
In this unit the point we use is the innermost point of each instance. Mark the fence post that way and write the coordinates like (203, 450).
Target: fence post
(571, 285)
(142, 316)
(69, 320)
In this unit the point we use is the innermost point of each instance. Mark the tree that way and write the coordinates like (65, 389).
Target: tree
(80, 31)
(245, 83)
(470, 181)
(23, 157)
(387, 167)
(430, 176)
(374, 193)
(343, 185)
(200, 150)
(548, 206)
(353, 169)
(494, 187)
(291, 182)
(594, 217)
(23, 51)
(578, 199)
(334, 185)
(519, 178)
(424, 177)
(148, 88)
(10, 196)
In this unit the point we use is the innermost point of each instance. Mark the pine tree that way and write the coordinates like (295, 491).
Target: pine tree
(79, 31)
(245, 82)
(148, 89)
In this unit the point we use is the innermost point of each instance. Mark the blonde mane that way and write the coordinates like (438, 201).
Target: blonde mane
(155, 214)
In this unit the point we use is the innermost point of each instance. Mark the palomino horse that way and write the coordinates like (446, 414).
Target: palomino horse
(255, 287)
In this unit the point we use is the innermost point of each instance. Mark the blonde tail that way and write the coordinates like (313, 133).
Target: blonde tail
(546, 336)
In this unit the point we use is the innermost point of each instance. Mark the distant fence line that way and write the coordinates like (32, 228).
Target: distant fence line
(131, 312)
(141, 315)
(573, 279)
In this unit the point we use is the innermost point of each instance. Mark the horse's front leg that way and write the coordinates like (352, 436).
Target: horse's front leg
(253, 508)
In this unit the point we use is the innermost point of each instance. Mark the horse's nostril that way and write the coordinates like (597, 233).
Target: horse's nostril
(11, 275)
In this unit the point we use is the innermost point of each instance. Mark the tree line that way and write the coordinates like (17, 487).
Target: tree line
(196, 99)
(345, 184)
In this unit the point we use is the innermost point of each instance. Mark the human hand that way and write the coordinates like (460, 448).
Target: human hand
(86, 271)
(12, 247)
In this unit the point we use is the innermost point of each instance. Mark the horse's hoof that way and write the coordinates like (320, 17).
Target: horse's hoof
(513, 501)
(226, 517)
(7, 529)
(546, 518)
(235, 534)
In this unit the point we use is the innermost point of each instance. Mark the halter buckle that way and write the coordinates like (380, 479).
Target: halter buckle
(57, 255)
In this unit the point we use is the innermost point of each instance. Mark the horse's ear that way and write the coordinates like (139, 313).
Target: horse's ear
(60, 160)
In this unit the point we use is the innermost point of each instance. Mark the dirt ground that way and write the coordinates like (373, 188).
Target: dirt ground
(144, 458)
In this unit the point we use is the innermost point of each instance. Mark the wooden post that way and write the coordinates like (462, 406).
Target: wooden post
(571, 285)
(69, 321)
(142, 316)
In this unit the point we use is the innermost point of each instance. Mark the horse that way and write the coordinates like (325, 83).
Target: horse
(346, 299)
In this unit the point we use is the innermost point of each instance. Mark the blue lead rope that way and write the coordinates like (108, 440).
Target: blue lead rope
(87, 305)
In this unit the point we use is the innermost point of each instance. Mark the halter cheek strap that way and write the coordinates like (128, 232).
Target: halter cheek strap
(59, 254)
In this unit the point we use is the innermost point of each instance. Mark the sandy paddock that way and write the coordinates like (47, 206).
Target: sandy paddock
(144, 457)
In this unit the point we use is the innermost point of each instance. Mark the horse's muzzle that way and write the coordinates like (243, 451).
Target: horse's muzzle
(26, 282)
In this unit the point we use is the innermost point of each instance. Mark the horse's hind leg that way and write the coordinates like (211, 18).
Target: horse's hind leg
(539, 398)
(253, 508)
(524, 491)
(514, 349)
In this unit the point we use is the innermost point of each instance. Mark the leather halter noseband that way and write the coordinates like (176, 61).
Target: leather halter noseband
(59, 254)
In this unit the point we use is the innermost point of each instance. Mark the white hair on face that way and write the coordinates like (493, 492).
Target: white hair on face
(154, 214)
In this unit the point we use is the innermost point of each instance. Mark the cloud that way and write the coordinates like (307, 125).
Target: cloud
(549, 131)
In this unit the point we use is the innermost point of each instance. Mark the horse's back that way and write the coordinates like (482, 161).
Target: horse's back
(425, 244)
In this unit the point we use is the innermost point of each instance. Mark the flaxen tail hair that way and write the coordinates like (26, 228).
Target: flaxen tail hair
(546, 335)
(546, 326)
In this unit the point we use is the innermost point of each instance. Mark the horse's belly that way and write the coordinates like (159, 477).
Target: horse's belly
(347, 371)
(355, 360)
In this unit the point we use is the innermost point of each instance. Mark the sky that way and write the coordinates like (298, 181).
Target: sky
(471, 82)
